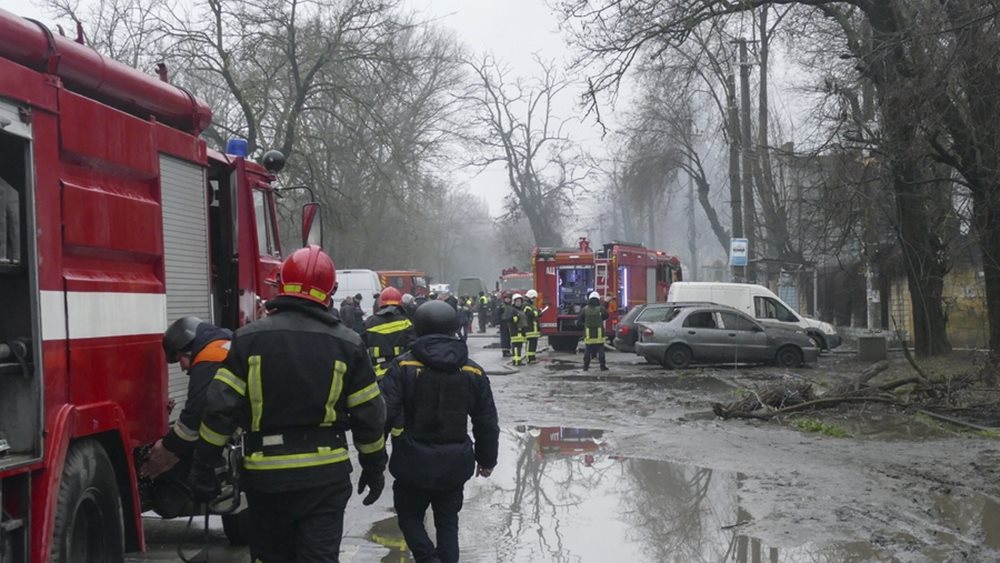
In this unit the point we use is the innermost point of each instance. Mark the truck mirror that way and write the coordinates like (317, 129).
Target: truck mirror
(312, 224)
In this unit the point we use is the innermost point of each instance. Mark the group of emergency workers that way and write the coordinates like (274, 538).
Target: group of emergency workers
(297, 381)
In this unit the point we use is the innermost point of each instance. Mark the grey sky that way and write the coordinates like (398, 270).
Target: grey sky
(512, 30)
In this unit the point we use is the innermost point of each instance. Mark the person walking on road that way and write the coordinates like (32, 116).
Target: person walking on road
(297, 381)
(437, 389)
(503, 311)
(592, 318)
(483, 311)
(389, 332)
(534, 332)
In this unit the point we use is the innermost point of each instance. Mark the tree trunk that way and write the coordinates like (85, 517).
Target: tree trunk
(986, 206)
(925, 259)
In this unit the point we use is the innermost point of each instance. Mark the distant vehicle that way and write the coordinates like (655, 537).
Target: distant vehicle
(710, 333)
(625, 333)
(513, 281)
(758, 302)
(413, 282)
(440, 288)
(352, 282)
(470, 287)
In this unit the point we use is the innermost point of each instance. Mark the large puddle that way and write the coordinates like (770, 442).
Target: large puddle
(563, 494)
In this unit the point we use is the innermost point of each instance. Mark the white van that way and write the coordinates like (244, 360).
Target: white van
(758, 302)
(352, 282)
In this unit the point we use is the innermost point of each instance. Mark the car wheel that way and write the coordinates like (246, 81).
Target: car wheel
(818, 341)
(88, 523)
(788, 357)
(678, 356)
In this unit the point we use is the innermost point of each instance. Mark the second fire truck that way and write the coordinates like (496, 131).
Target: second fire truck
(624, 274)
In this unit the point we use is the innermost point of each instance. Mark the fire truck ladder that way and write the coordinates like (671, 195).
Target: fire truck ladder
(601, 278)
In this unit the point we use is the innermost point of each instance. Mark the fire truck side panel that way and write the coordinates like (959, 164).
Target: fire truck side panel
(185, 254)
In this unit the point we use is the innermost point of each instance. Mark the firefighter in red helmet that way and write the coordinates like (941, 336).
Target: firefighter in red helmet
(296, 381)
(389, 332)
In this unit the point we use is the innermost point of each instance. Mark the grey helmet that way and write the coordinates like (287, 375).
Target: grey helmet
(179, 336)
(435, 317)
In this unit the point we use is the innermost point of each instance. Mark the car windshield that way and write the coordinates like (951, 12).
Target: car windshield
(658, 314)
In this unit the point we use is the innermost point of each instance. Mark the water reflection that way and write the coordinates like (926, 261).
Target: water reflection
(386, 534)
(562, 494)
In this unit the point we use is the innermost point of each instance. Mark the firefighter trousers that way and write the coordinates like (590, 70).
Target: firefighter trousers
(505, 339)
(303, 526)
(411, 504)
(517, 342)
(532, 349)
(481, 315)
(594, 350)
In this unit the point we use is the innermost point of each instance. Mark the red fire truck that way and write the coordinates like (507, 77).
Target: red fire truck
(115, 220)
(413, 282)
(514, 281)
(624, 274)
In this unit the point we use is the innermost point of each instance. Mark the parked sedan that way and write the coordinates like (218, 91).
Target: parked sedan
(705, 333)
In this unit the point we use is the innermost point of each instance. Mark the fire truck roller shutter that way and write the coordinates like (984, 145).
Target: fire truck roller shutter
(185, 253)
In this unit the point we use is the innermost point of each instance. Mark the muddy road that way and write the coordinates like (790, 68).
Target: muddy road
(630, 465)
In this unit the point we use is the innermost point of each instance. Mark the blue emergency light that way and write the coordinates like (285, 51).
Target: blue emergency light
(237, 147)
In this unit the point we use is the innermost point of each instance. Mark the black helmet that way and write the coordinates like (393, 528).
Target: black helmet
(179, 337)
(435, 317)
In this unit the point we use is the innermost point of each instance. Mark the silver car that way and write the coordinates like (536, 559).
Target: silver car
(708, 333)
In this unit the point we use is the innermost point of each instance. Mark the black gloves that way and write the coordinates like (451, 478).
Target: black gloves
(204, 481)
(375, 481)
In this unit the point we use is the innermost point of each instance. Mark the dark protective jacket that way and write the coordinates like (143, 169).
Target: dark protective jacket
(208, 350)
(388, 334)
(531, 317)
(592, 318)
(438, 389)
(296, 381)
(517, 320)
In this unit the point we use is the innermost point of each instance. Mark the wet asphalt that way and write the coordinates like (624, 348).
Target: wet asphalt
(565, 493)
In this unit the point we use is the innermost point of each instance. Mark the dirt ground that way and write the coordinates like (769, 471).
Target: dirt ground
(631, 465)
(899, 487)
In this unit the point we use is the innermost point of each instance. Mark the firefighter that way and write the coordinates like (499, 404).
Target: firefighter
(517, 321)
(482, 312)
(532, 313)
(296, 381)
(502, 312)
(437, 389)
(199, 348)
(409, 304)
(592, 318)
(389, 332)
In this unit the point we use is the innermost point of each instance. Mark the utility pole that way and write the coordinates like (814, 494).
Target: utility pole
(735, 192)
(747, 155)
(692, 224)
(873, 301)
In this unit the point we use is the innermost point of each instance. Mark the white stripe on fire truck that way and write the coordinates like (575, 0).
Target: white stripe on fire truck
(101, 314)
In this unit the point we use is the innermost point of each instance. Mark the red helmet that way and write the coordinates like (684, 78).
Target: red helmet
(308, 274)
(390, 296)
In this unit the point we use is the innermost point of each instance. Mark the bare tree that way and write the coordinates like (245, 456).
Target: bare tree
(901, 60)
(521, 131)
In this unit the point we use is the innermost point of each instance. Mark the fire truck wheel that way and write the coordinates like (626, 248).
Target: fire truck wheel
(678, 356)
(88, 523)
(236, 527)
(563, 343)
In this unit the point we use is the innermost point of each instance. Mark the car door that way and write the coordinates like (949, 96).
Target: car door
(749, 338)
(702, 333)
